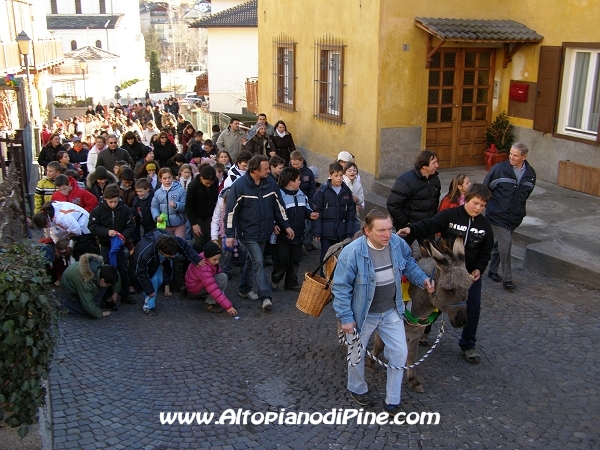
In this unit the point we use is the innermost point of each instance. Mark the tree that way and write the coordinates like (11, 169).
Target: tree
(151, 42)
(155, 82)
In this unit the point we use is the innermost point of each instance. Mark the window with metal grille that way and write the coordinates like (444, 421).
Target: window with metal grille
(284, 75)
(329, 79)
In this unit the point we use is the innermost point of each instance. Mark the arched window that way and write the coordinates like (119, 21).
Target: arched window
(73, 45)
(99, 43)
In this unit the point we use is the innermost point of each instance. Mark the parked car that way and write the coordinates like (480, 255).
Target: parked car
(191, 99)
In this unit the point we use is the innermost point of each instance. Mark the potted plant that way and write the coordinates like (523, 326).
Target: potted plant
(499, 138)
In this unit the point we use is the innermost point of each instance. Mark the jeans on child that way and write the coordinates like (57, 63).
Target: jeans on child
(157, 279)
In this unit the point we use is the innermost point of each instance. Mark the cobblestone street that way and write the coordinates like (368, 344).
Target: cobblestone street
(537, 385)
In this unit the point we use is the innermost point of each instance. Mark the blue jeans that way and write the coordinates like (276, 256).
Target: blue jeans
(467, 340)
(157, 280)
(254, 271)
(390, 327)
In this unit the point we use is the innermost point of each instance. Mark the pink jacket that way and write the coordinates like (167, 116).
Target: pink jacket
(198, 278)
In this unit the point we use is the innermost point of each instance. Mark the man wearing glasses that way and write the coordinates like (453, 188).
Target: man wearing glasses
(112, 154)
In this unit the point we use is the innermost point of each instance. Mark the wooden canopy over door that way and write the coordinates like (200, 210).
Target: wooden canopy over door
(459, 105)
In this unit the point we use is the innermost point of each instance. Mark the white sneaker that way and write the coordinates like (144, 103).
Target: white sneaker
(266, 306)
(250, 295)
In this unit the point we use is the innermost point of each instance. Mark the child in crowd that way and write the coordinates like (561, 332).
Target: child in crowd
(119, 165)
(288, 254)
(337, 211)
(351, 179)
(142, 209)
(185, 176)
(126, 187)
(308, 186)
(224, 158)
(168, 204)
(209, 150)
(63, 219)
(221, 172)
(46, 187)
(194, 144)
(65, 160)
(178, 161)
(210, 279)
(67, 190)
(148, 170)
(456, 192)
(239, 170)
(112, 223)
(152, 264)
(98, 180)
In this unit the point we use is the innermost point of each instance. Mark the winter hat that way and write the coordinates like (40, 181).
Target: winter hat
(211, 249)
(315, 171)
(345, 156)
(197, 152)
(151, 166)
(101, 173)
(127, 174)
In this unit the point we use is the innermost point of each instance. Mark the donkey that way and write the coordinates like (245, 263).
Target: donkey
(452, 282)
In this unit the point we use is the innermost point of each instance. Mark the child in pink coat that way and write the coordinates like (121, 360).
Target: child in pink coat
(209, 279)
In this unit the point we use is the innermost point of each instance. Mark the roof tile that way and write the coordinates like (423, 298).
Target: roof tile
(244, 15)
(82, 21)
(478, 30)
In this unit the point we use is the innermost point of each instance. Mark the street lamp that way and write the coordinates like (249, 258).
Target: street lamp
(83, 66)
(24, 43)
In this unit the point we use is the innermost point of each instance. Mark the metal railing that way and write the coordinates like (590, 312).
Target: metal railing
(252, 94)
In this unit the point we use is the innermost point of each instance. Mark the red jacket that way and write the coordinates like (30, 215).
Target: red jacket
(198, 278)
(79, 196)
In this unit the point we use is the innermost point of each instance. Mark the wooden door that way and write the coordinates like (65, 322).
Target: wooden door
(459, 105)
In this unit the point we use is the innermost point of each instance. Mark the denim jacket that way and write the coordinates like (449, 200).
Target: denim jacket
(354, 281)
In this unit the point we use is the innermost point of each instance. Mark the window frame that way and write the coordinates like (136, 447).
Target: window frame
(566, 92)
(284, 73)
(327, 88)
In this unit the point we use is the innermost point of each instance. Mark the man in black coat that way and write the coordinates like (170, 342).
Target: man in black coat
(416, 193)
(112, 154)
(201, 199)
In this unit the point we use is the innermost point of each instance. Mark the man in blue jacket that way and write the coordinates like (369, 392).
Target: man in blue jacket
(368, 296)
(253, 208)
(511, 183)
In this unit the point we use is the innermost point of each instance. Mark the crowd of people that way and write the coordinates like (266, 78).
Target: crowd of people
(163, 206)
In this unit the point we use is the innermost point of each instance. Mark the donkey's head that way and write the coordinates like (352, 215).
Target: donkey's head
(452, 281)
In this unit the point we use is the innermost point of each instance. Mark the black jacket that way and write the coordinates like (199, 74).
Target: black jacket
(307, 182)
(137, 150)
(506, 208)
(164, 153)
(413, 198)
(143, 214)
(102, 219)
(146, 260)
(79, 157)
(455, 221)
(107, 158)
(283, 146)
(48, 154)
(337, 213)
(200, 201)
(94, 188)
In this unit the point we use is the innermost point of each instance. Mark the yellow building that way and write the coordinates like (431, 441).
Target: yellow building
(383, 79)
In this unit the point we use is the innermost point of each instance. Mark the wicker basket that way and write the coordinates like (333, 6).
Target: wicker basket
(330, 267)
(315, 294)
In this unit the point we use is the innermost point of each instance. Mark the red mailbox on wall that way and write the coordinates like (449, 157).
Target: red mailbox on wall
(518, 92)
